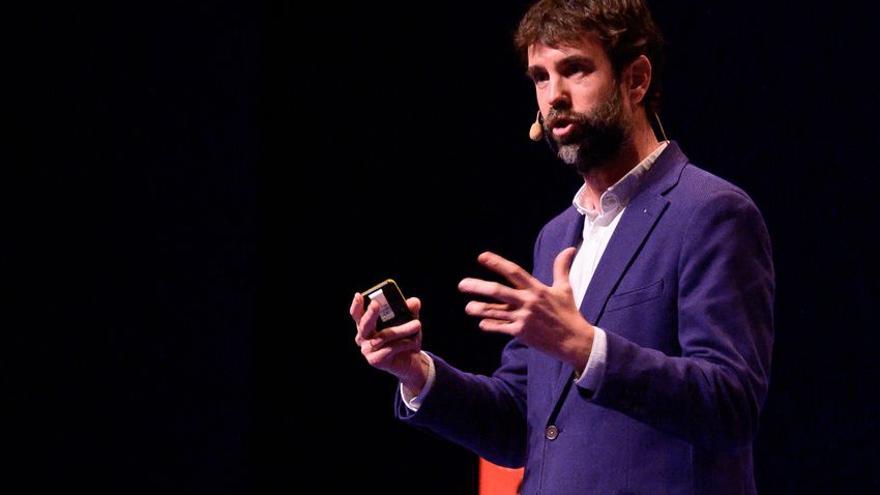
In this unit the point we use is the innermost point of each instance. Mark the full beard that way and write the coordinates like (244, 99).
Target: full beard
(596, 138)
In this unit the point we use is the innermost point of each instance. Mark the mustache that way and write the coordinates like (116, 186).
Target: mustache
(561, 118)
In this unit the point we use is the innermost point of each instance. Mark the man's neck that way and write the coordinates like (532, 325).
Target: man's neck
(632, 153)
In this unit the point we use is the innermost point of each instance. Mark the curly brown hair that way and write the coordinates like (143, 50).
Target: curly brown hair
(624, 27)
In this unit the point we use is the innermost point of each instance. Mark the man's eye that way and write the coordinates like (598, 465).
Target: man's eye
(577, 70)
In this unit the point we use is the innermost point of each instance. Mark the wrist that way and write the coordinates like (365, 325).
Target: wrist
(414, 381)
(581, 347)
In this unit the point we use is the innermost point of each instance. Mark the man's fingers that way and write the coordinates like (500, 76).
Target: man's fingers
(562, 266)
(499, 326)
(380, 357)
(486, 310)
(479, 305)
(515, 274)
(367, 323)
(415, 305)
(492, 290)
(408, 329)
(357, 307)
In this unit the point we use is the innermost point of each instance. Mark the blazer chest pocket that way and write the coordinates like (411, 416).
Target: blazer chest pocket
(637, 296)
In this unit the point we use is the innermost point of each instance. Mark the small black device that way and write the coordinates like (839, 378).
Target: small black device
(393, 310)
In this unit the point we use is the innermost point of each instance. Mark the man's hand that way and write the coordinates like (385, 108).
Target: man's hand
(396, 350)
(544, 318)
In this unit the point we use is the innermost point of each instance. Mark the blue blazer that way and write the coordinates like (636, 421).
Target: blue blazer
(684, 291)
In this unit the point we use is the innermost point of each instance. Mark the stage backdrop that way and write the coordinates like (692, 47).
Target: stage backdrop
(195, 190)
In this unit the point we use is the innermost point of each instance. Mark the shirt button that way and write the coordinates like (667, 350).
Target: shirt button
(609, 203)
(551, 432)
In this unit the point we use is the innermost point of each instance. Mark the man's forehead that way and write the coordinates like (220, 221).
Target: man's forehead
(586, 46)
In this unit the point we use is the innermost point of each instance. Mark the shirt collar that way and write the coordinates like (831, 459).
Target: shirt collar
(616, 197)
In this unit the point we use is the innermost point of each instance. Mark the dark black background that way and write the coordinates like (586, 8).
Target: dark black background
(194, 191)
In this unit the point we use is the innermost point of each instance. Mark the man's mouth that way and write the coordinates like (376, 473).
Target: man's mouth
(562, 129)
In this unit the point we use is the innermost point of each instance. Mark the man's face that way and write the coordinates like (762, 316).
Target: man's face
(581, 101)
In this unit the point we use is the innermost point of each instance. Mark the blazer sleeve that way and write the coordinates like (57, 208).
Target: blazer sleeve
(485, 414)
(712, 393)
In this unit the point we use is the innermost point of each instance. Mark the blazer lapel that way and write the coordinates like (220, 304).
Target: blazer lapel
(637, 222)
(639, 219)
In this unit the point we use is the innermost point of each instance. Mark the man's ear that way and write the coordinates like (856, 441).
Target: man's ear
(637, 79)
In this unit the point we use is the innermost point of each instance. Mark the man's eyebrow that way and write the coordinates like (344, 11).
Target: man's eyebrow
(534, 70)
(576, 59)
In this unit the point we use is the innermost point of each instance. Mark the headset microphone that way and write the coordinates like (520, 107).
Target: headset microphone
(536, 132)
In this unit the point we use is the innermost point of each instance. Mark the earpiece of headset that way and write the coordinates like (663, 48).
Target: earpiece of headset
(660, 126)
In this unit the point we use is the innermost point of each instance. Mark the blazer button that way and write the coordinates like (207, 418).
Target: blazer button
(551, 432)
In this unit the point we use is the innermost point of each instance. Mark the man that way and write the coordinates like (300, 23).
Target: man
(641, 341)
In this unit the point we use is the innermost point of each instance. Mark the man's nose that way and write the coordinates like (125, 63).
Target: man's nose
(559, 97)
